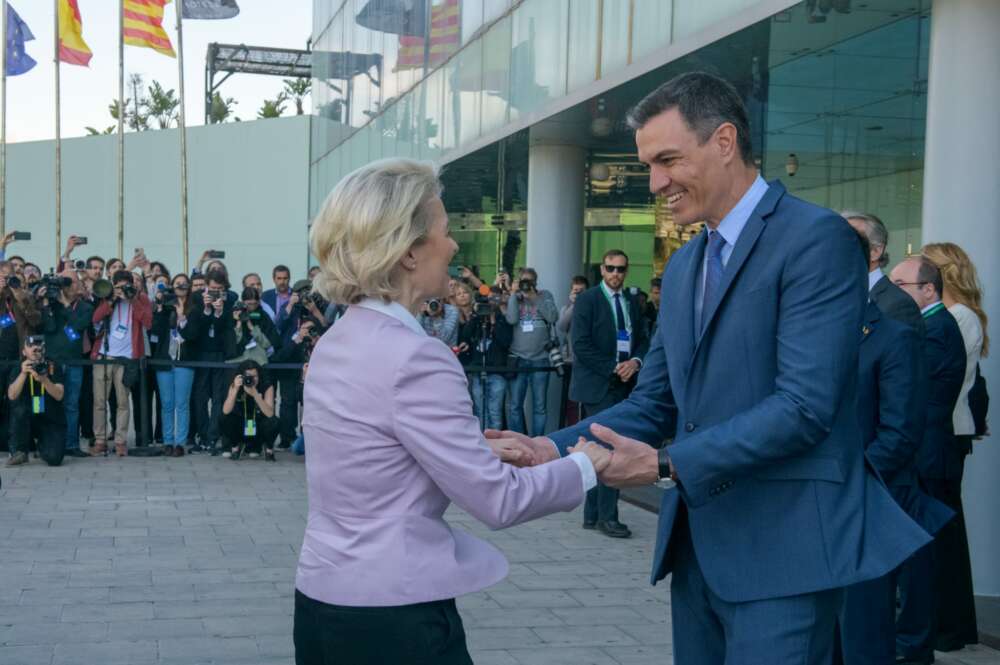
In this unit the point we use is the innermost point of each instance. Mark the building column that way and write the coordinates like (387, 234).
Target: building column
(555, 230)
(962, 205)
(555, 214)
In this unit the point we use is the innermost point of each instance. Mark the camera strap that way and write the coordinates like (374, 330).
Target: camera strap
(249, 419)
(37, 401)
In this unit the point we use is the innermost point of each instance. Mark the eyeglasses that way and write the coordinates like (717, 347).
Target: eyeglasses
(620, 269)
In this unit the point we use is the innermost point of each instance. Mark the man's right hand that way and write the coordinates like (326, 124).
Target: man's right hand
(7, 239)
(71, 244)
(304, 331)
(28, 370)
(542, 449)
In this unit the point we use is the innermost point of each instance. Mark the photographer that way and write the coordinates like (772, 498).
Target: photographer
(300, 307)
(278, 297)
(533, 314)
(121, 324)
(440, 320)
(215, 308)
(66, 318)
(253, 280)
(248, 421)
(254, 337)
(485, 342)
(35, 395)
(297, 349)
(175, 331)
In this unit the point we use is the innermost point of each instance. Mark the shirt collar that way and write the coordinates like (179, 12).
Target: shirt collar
(732, 224)
(930, 307)
(608, 291)
(396, 311)
(874, 277)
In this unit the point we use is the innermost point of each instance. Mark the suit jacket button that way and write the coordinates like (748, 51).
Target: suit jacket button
(689, 427)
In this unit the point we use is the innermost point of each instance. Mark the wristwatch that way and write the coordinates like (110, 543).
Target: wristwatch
(666, 466)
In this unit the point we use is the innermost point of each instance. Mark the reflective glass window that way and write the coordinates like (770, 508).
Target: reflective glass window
(615, 36)
(463, 81)
(538, 56)
(496, 75)
(583, 37)
(650, 26)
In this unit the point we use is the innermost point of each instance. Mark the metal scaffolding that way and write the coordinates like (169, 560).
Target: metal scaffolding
(242, 59)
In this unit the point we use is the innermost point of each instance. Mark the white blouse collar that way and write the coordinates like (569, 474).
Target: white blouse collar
(396, 311)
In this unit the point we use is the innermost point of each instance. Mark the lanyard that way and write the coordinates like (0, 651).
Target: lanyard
(252, 416)
(933, 310)
(531, 311)
(31, 387)
(614, 314)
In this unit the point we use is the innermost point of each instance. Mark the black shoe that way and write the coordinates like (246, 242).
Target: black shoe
(76, 452)
(949, 645)
(195, 449)
(235, 454)
(284, 445)
(614, 529)
(215, 451)
(590, 526)
(916, 659)
(269, 456)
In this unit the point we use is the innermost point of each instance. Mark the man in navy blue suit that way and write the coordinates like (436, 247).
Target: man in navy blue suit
(939, 459)
(609, 341)
(891, 416)
(774, 511)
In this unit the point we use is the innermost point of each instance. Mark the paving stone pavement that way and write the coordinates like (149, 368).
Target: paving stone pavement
(191, 562)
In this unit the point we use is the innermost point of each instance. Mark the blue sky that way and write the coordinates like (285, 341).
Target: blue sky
(87, 92)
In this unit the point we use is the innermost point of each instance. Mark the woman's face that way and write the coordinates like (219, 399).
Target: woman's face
(114, 267)
(433, 255)
(462, 297)
(252, 305)
(182, 287)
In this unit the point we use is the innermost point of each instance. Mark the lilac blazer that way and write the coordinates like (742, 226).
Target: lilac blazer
(391, 441)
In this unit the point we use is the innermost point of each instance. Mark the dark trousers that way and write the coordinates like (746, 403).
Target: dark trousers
(288, 409)
(233, 428)
(25, 427)
(916, 622)
(956, 609)
(143, 409)
(867, 623)
(209, 387)
(421, 634)
(602, 501)
(710, 631)
(87, 404)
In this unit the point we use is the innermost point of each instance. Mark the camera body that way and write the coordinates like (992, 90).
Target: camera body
(486, 305)
(129, 291)
(556, 357)
(52, 284)
(166, 296)
(434, 305)
(526, 285)
(249, 380)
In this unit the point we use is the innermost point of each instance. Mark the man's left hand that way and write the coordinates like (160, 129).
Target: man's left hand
(626, 370)
(542, 449)
(633, 463)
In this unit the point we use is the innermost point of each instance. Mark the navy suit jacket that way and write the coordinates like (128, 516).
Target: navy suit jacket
(768, 451)
(891, 412)
(944, 358)
(595, 343)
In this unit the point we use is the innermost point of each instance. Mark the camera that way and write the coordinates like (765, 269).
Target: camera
(166, 295)
(52, 284)
(556, 357)
(433, 305)
(80, 265)
(486, 301)
(14, 282)
(249, 380)
(211, 295)
(244, 315)
(526, 285)
(40, 367)
(129, 291)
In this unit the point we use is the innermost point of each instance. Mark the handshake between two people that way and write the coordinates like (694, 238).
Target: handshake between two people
(620, 462)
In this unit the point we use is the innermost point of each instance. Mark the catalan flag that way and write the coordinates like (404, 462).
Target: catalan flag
(445, 38)
(143, 26)
(72, 48)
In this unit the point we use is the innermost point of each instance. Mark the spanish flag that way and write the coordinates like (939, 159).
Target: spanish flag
(143, 25)
(72, 48)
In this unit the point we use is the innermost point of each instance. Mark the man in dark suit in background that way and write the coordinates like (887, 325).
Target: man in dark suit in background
(891, 300)
(939, 461)
(891, 417)
(609, 341)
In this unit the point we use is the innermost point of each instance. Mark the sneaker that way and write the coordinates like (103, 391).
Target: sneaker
(17, 459)
(231, 455)
(196, 449)
(254, 455)
(76, 452)
(215, 451)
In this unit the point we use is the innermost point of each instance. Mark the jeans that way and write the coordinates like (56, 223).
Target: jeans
(71, 405)
(539, 396)
(175, 398)
(496, 387)
(299, 446)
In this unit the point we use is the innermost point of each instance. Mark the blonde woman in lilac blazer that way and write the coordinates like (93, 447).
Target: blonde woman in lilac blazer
(392, 441)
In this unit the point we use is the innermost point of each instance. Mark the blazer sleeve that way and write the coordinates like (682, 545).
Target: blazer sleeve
(822, 300)
(900, 408)
(433, 420)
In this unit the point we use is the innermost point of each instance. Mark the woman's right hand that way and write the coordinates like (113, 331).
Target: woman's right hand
(599, 456)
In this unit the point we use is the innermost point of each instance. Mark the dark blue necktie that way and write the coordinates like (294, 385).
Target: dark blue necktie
(713, 272)
(620, 316)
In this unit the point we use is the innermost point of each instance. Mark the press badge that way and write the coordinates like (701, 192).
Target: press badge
(624, 343)
(119, 332)
(71, 334)
(250, 428)
(527, 326)
(38, 404)
(6, 321)
(252, 344)
(154, 339)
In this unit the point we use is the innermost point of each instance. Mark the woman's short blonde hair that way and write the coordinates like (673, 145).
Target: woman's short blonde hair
(368, 223)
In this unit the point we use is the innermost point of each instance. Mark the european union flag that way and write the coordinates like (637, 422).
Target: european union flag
(18, 32)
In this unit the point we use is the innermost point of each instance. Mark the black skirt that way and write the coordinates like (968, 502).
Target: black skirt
(430, 633)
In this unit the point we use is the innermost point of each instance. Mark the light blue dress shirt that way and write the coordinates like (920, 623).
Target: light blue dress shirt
(730, 229)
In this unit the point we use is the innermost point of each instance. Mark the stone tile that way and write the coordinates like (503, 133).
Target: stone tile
(106, 653)
(27, 655)
(108, 612)
(184, 650)
(658, 655)
(585, 636)
(158, 629)
(524, 617)
(534, 599)
(562, 656)
(242, 626)
(598, 616)
(499, 638)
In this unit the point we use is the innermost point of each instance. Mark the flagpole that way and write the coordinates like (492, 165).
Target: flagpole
(58, 182)
(121, 129)
(183, 132)
(3, 126)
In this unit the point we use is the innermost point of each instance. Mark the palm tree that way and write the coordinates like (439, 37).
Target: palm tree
(297, 89)
(221, 108)
(134, 119)
(94, 132)
(162, 105)
(273, 108)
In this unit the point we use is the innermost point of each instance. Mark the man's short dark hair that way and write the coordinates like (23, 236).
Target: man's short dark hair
(875, 232)
(704, 101)
(218, 277)
(656, 283)
(929, 273)
(581, 280)
(121, 276)
(248, 276)
(611, 253)
(91, 259)
(250, 364)
(280, 268)
(16, 257)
